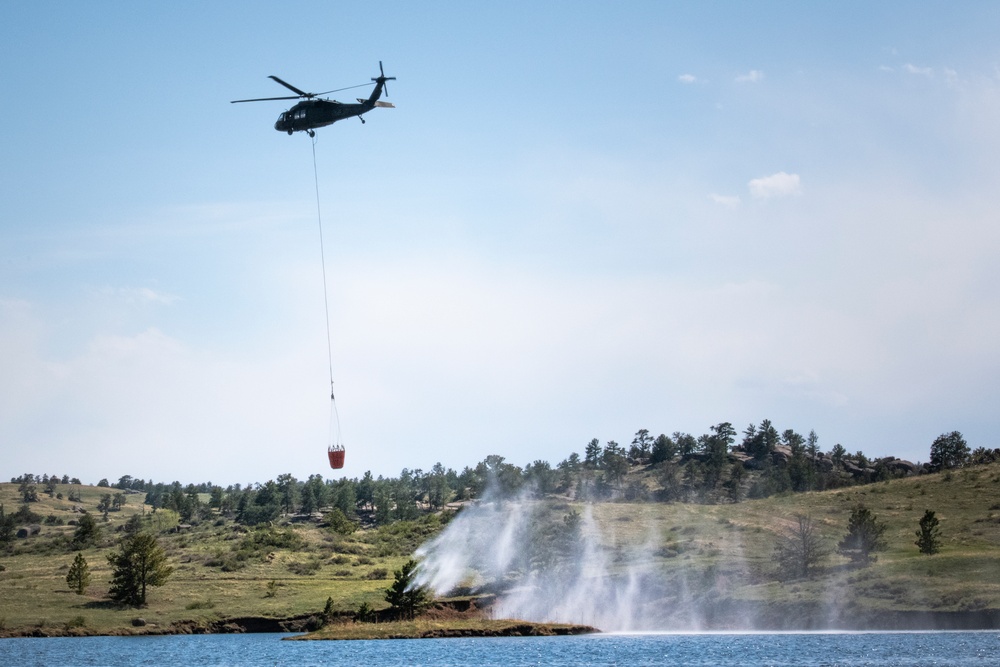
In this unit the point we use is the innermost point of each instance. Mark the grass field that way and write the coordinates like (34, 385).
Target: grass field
(725, 551)
(265, 581)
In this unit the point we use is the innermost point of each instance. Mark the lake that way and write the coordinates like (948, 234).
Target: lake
(896, 649)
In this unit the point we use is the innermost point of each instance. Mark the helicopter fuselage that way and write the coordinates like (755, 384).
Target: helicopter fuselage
(312, 114)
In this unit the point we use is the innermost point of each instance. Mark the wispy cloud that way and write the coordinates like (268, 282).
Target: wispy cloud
(922, 71)
(687, 78)
(729, 201)
(775, 185)
(753, 76)
(138, 295)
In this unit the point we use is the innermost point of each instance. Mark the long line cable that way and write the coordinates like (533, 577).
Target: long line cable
(334, 417)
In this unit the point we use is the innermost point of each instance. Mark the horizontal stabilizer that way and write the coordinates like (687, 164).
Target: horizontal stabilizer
(384, 105)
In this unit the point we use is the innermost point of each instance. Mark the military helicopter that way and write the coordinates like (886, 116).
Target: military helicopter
(312, 113)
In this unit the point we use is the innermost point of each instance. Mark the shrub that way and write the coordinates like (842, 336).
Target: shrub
(308, 567)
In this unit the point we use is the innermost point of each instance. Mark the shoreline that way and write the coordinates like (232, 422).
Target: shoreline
(311, 627)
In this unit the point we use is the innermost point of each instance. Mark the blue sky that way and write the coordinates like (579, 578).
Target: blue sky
(582, 219)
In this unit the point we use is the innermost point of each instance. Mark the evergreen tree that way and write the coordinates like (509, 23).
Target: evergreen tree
(86, 533)
(7, 526)
(864, 536)
(642, 445)
(140, 563)
(664, 449)
(929, 535)
(78, 577)
(404, 597)
(592, 454)
(686, 443)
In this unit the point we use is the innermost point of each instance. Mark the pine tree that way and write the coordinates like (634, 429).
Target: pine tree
(78, 577)
(404, 596)
(140, 563)
(87, 532)
(929, 535)
(864, 537)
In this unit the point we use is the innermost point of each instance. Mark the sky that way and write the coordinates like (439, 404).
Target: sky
(581, 219)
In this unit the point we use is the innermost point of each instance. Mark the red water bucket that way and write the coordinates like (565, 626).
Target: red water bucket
(336, 455)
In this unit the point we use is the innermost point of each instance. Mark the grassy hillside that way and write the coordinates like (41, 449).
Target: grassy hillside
(715, 555)
(221, 569)
(723, 555)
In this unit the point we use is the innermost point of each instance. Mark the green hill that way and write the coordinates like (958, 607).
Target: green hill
(705, 565)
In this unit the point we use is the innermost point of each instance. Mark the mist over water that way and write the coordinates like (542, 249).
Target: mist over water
(545, 562)
(623, 570)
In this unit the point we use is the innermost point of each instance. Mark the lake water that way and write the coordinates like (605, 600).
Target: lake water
(916, 649)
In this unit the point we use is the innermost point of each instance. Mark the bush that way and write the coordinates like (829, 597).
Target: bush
(232, 565)
(76, 622)
(200, 604)
(308, 567)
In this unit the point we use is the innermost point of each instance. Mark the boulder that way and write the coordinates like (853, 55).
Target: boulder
(824, 463)
(901, 467)
(781, 455)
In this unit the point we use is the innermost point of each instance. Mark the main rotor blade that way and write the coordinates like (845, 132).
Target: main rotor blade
(268, 99)
(337, 90)
(291, 87)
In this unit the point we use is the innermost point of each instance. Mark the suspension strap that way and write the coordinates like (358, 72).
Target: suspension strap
(334, 417)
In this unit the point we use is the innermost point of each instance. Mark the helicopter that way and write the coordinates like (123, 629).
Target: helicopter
(312, 112)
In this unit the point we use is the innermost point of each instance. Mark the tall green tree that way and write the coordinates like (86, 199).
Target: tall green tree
(686, 443)
(865, 537)
(615, 464)
(405, 598)
(949, 450)
(7, 526)
(592, 454)
(139, 563)
(78, 576)
(87, 532)
(642, 445)
(716, 448)
(664, 449)
(760, 441)
(288, 492)
(929, 535)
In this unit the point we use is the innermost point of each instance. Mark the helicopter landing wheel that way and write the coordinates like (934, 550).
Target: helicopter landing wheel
(311, 133)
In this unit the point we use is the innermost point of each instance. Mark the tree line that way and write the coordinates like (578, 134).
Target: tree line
(721, 466)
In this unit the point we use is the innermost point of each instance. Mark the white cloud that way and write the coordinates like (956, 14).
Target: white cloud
(775, 185)
(913, 69)
(729, 201)
(753, 76)
(138, 295)
(687, 78)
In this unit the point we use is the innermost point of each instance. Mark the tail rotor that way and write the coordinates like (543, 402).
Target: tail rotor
(382, 78)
